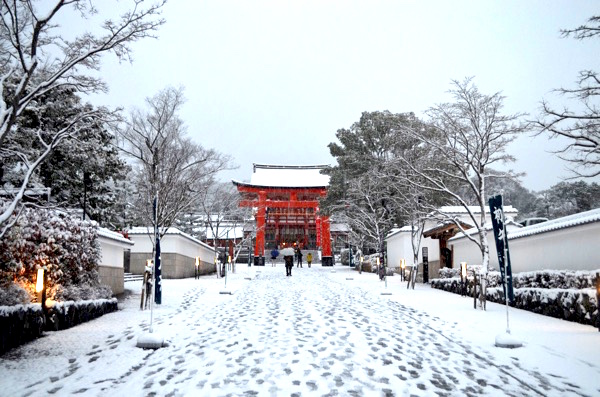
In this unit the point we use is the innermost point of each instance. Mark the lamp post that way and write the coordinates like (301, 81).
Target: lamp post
(39, 286)
(402, 267)
(360, 265)
(196, 275)
(463, 278)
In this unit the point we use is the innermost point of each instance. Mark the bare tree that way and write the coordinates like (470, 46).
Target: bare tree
(470, 135)
(168, 163)
(581, 127)
(411, 202)
(368, 211)
(35, 60)
(221, 213)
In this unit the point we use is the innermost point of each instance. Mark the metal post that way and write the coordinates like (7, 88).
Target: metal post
(505, 271)
(474, 290)
(156, 231)
(226, 273)
(598, 298)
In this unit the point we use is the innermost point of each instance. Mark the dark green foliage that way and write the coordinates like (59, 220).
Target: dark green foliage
(567, 198)
(90, 151)
(66, 247)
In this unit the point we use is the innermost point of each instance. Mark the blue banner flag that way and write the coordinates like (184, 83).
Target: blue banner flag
(157, 272)
(500, 235)
(157, 260)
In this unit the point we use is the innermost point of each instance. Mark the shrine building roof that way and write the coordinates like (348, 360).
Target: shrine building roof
(287, 176)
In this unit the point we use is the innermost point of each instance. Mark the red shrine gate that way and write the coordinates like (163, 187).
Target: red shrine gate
(287, 217)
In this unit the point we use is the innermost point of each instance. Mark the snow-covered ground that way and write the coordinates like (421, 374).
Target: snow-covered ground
(315, 333)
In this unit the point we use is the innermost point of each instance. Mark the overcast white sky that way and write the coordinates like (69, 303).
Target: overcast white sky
(272, 81)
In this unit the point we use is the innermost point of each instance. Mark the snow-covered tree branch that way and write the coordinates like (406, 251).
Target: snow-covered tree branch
(469, 135)
(579, 123)
(167, 162)
(36, 59)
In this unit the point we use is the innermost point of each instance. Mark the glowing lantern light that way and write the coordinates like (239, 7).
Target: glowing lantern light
(39, 285)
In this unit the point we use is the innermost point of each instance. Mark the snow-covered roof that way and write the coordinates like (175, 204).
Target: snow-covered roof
(396, 230)
(288, 176)
(226, 232)
(109, 234)
(488, 226)
(459, 209)
(339, 227)
(143, 230)
(559, 223)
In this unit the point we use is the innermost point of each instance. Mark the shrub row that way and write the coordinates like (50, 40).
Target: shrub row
(571, 304)
(561, 279)
(20, 324)
(23, 323)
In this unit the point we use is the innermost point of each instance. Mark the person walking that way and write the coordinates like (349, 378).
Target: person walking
(289, 264)
(299, 258)
(274, 255)
(309, 258)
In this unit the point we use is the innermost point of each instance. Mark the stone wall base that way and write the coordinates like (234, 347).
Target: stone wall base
(172, 266)
(113, 277)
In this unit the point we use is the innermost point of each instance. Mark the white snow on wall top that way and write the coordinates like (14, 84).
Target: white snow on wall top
(559, 223)
(397, 230)
(289, 176)
(109, 234)
(170, 231)
(459, 209)
(226, 232)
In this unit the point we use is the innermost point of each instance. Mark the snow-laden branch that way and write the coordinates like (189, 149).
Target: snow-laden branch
(37, 61)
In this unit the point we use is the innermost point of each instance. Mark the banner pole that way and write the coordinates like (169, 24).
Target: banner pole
(505, 266)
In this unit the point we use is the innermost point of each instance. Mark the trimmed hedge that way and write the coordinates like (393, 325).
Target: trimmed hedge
(567, 295)
(23, 323)
(20, 324)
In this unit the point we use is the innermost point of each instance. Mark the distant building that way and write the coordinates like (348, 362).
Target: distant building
(436, 237)
(179, 253)
(286, 201)
(114, 259)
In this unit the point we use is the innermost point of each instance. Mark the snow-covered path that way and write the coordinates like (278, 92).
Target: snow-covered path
(315, 333)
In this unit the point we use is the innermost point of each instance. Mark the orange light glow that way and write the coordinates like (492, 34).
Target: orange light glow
(39, 285)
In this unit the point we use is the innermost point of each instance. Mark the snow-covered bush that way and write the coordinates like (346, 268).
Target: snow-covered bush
(12, 295)
(569, 295)
(562, 279)
(66, 247)
(447, 272)
(82, 292)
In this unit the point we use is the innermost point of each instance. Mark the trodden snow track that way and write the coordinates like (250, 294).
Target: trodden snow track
(309, 334)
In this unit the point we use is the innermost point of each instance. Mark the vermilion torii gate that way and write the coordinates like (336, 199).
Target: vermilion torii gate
(287, 209)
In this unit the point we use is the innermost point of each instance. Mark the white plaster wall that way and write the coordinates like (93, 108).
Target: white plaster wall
(573, 248)
(467, 251)
(142, 243)
(173, 243)
(399, 247)
(111, 252)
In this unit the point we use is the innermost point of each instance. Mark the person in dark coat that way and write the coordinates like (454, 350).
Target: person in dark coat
(299, 254)
(289, 264)
(274, 255)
